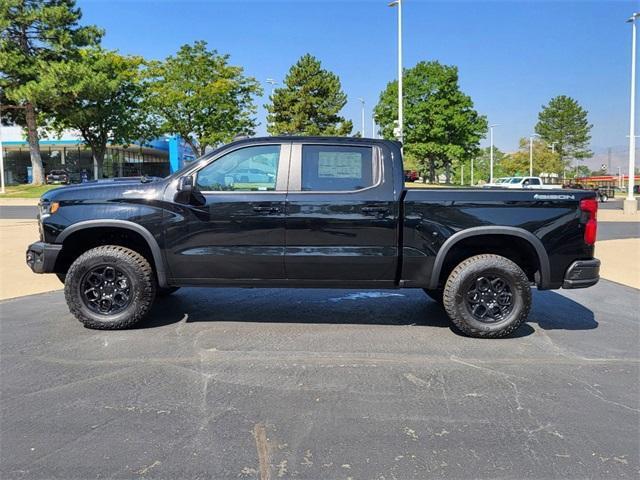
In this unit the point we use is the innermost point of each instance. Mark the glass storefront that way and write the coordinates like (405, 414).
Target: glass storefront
(132, 161)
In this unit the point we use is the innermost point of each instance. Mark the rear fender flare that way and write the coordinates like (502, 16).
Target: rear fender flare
(158, 259)
(543, 258)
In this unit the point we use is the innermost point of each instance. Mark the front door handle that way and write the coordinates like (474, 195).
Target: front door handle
(370, 210)
(266, 209)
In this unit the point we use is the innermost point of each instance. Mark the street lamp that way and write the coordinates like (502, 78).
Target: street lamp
(400, 135)
(630, 205)
(362, 103)
(491, 151)
(273, 84)
(531, 153)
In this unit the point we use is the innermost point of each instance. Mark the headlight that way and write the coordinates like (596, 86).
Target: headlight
(48, 208)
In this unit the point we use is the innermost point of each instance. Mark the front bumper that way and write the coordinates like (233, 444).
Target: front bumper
(582, 274)
(41, 256)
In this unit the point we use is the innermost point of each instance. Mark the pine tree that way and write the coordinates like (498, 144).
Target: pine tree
(563, 123)
(309, 103)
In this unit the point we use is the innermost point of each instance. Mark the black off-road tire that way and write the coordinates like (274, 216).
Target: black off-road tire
(435, 294)
(165, 292)
(136, 267)
(466, 273)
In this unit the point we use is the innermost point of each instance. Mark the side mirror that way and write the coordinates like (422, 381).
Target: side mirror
(185, 184)
(184, 189)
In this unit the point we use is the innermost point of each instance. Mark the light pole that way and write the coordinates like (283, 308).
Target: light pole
(630, 205)
(273, 84)
(362, 104)
(471, 173)
(531, 153)
(373, 126)
(491, 151)
(400, 135)
(1, 157)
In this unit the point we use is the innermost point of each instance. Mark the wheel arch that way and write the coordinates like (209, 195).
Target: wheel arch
(476, 232)
(147, 237)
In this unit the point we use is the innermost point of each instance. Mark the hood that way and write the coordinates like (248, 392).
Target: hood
(101, 190)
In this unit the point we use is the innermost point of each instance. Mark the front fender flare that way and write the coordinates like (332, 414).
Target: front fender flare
(543, 258)
(158, 259)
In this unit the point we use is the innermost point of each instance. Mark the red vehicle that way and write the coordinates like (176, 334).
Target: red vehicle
(410, 176)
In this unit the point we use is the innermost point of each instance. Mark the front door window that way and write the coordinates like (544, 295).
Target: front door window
(251, 169)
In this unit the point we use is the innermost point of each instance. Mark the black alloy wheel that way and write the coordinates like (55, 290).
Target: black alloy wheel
(490, 298)
(106, 290)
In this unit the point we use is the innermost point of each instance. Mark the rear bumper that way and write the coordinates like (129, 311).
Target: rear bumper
(41, 256)
(582, 274)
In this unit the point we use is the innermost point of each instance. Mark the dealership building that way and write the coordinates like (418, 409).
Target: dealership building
(158, 157)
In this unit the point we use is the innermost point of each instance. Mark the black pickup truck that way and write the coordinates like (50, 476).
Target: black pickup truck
(312, 212)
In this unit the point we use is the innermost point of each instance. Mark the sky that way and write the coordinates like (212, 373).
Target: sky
(512, 56)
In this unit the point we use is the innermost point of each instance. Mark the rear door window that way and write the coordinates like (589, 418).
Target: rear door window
(337, 168)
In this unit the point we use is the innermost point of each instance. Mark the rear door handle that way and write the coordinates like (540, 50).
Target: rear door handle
(266, 209)
(367, 210)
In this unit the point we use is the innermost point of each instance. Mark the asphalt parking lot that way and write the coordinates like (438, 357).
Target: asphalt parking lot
(321, 384)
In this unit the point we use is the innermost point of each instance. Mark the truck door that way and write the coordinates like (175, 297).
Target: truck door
(238, 233)
(341, 216)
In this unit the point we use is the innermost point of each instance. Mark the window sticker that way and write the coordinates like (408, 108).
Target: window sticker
(340, 165)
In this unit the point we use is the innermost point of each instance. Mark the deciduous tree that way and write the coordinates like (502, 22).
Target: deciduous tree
(200, 96)
(544, 160)
(440, 124)
(34, 33)
(100, 95)
(309, 103)
(482, 165)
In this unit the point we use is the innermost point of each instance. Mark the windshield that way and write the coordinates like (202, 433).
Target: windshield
(515, 180)
(502, 180)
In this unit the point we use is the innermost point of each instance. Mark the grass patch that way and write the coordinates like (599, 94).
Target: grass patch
(27, 191)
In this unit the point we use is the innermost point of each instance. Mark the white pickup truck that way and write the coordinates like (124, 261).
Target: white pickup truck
(521, 182)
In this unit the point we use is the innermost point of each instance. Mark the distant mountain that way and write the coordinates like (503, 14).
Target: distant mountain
(614, 157)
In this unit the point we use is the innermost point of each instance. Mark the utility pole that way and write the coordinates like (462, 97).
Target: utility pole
(400, 135)
(373, 126)
(630, 204)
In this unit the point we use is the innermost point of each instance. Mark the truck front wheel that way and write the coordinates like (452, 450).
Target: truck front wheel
(487, 296)
(110, 287)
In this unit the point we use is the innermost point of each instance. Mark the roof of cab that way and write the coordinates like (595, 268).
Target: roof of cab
(307, 139)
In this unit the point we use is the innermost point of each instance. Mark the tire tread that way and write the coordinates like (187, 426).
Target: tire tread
(143, 302)
(452, 285)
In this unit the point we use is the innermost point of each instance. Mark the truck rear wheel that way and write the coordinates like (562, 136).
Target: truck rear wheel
(487, 296)
(110, 287)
